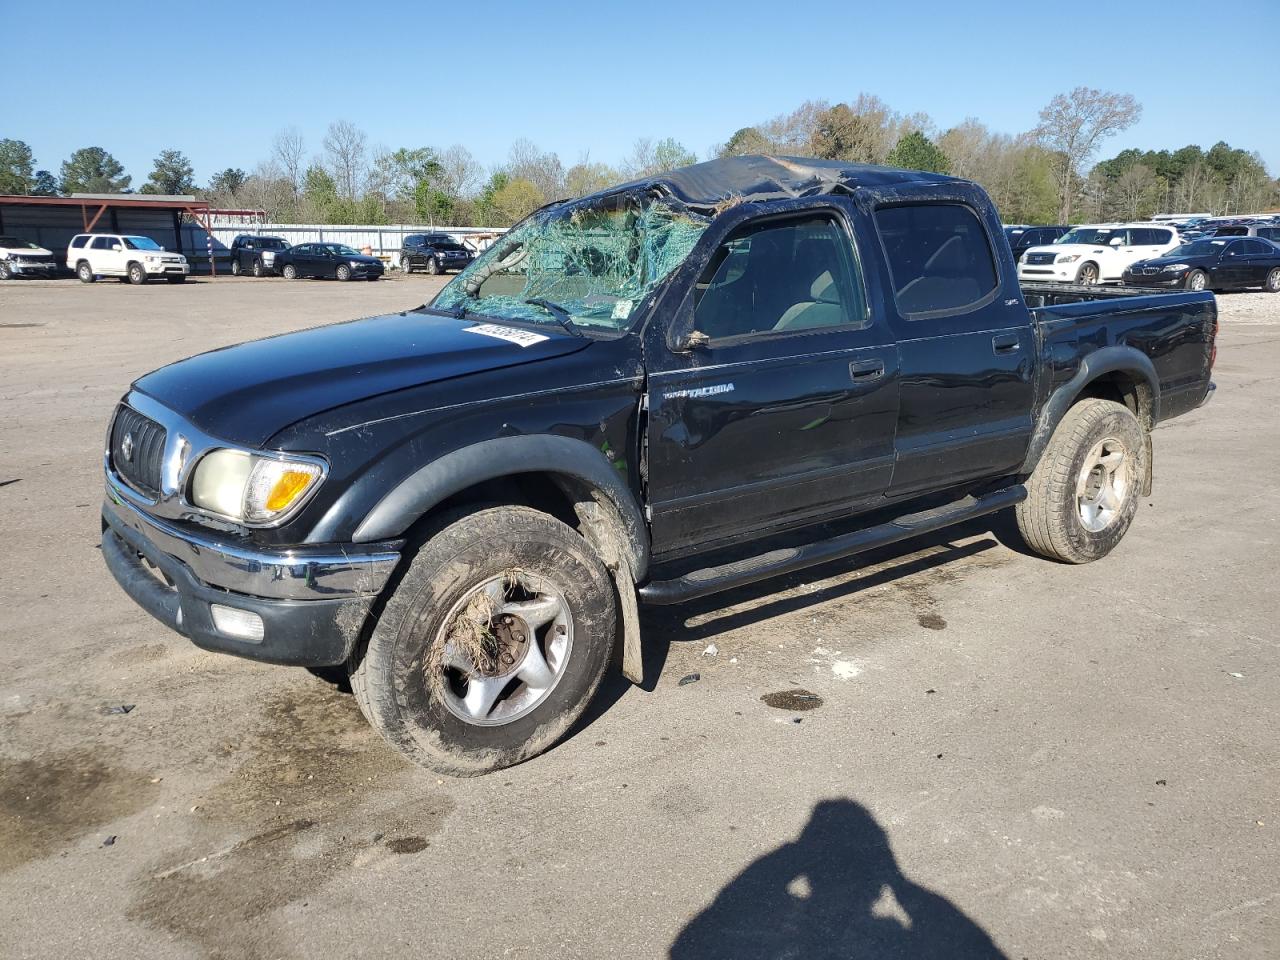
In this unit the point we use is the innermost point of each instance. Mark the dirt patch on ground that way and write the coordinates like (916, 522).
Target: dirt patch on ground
(314, 788)
(49, 801)
(797, 699)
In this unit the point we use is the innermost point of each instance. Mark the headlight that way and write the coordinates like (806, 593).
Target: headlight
(1023, 258)
(1067, 258)
(356, 263)
(152, 258)
(253, 489)
(1177, 267)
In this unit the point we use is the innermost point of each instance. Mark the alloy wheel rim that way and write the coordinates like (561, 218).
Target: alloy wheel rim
(1102, 485)
(1273, 279)
(1197, 282)
(504, 647)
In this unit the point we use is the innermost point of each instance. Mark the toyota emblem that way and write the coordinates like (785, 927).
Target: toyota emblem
(126, 447)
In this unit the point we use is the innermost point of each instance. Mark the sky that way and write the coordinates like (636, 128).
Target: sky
(218, 81)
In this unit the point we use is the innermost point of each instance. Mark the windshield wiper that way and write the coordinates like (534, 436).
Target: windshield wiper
(557, 311)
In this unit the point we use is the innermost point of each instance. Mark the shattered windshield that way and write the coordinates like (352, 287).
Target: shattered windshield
(594, 263)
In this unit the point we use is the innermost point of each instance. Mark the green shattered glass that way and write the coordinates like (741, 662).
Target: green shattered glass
(597, 263)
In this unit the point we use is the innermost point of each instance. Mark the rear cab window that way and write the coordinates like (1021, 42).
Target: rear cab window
(940, 258)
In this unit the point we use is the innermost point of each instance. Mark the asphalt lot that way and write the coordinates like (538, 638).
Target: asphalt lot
(1073, 761)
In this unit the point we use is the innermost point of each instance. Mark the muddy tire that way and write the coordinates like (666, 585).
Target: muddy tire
(550, 622)
(1084, 491)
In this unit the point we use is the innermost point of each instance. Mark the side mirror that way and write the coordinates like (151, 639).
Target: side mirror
(116, 247)
(1117, 241)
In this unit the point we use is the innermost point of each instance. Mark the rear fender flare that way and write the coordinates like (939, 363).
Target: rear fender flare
(582, 470)
(1106, 360)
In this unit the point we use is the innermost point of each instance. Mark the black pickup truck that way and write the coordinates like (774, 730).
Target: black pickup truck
(680, 385)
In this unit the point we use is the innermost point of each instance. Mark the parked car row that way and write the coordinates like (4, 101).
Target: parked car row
(137, 259)
(1220, 256)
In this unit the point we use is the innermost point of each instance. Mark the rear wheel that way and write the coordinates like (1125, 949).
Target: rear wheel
(406, 263)
(343, 272)
(1273, 281)
(1196, 280)
(290, 272)
(235, 266)
(1088, 274)
(85, 272)
(136, 274)
(1083, 493)
(492, 643)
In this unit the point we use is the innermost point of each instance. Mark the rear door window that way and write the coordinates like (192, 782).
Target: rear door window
(939, 257)
(103, 243)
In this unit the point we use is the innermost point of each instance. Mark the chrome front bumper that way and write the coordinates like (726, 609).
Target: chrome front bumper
(312, 601)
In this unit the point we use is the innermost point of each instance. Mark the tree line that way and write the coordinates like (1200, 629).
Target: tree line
(1046, 174)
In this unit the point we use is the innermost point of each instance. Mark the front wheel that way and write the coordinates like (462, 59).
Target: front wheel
(257, 268)
(290, 272)
(137, 275)
(492, 643)
(1272, 284)
(1083, 493)
(1088, 274)
(343, 272)
(1196, 280)
(6, 272)
(433, 266)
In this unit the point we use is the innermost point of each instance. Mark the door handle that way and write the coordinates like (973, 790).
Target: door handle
(1008, 343)
(862, 371)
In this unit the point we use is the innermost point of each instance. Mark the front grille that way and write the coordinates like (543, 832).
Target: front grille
(1150, 271)
(137, 450)
(1041, 257)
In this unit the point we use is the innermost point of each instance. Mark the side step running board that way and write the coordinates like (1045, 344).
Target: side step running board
(700, 583)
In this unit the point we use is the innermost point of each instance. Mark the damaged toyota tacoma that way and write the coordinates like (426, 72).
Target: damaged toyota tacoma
(681, 385)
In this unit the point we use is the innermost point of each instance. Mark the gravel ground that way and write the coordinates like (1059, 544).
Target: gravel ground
(1069, 761)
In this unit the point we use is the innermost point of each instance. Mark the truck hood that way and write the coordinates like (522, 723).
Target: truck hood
(247, 393)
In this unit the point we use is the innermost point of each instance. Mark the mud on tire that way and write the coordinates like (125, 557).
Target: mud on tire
(423, 712)
(1084, 491)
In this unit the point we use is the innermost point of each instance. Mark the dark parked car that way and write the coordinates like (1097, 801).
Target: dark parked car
(706, 378)
(255, 255)
(1023, 238)
(1217, 263)
(334, 260)
(434, 253)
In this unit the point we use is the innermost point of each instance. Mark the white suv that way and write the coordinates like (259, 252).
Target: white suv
(136, 259)
(1096, 253)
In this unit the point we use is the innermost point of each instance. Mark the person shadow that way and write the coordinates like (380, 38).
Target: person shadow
(836, 891)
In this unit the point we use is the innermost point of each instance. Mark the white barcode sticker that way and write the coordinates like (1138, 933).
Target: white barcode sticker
(521, 338)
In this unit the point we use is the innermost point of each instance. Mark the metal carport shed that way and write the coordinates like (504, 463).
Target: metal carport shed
(51, 222)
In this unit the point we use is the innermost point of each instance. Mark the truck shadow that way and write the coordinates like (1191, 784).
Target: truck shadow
(835, 891)
(696, 620)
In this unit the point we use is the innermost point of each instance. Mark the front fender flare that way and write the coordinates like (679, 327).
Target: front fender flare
(584, 466)
(1099, 363)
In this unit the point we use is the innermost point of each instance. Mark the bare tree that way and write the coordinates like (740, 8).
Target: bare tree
(1135, 191)
(344, 147)
(461, 174)
(544, 170)
(287, 153)
(1074, 125)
